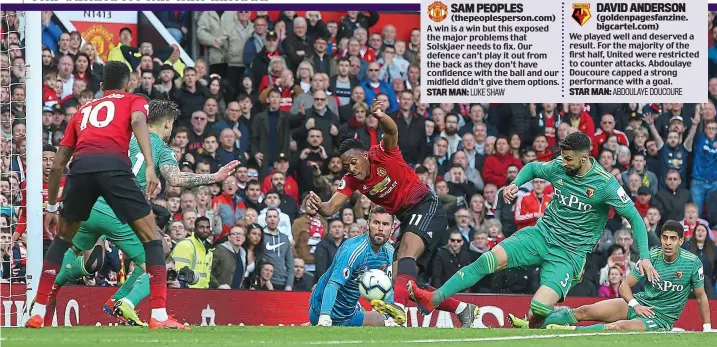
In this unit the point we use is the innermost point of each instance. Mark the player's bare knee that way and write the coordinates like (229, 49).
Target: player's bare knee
(501, 257)
(582, 313)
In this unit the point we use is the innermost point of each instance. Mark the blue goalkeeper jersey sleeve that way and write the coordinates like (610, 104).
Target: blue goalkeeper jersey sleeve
(338, 289)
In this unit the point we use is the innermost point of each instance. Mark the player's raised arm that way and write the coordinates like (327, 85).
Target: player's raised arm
(389, 127)
(625, 291)
(327, 209)
(528, 173)
(177, 178)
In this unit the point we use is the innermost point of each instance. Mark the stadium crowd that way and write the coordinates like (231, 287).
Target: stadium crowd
(280, 92)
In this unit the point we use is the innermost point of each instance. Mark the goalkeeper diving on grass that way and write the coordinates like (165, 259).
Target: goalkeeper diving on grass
(334, 301)
(85, 257)
(573, 223)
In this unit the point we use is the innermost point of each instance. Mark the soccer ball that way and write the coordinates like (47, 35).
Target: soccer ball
(375, 284)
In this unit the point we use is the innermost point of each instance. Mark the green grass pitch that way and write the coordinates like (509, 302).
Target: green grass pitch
(317, 336)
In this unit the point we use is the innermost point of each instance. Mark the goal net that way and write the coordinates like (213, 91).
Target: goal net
(21, 153)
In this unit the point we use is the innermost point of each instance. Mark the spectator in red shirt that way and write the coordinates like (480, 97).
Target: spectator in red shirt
(494, 169)
(291, 188)
(531, 206)
(642, 203)
(540, 144)
(607, 127)
(228, 206)
(579, 119)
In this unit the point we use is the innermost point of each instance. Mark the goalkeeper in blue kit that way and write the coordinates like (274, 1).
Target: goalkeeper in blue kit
(334, 301)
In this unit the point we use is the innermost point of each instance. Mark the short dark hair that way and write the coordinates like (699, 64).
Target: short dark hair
(201, 219)
(253, 183)
(383, 48)
(613, 248)
(272, 191)
(125, 29)
(274, 91)
(638, 154)
(577, 142)
(333, 221)
(144, 71)
(350, 144)
(49, 148)
(420, 170)
(160, 110)
(189, 68)
(673, 225)
(450, 114)
(116, 75)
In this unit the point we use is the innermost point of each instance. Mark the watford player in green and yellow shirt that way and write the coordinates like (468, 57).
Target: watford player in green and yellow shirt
(559, 242)
(658, 306)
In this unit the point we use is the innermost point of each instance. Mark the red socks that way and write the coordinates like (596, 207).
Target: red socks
(157, 286)
(400, 289)
(157, 272)
(50, 269)
(448, 305)
(47, 280)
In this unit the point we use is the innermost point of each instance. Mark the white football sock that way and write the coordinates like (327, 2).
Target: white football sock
(159, 314)
(38, 309)
(462, 306)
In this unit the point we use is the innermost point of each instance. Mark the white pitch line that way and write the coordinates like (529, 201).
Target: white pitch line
(356, 342)
(498, 338)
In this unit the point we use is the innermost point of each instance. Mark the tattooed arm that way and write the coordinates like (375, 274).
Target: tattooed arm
(177, 178)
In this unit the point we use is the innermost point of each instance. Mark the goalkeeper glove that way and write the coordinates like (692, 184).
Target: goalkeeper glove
(324, 321)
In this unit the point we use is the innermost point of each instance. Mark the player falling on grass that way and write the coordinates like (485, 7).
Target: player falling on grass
(383, 176)
(573, 223)
(658, 306)
(334, 301)
(103, 221)
(97, 139)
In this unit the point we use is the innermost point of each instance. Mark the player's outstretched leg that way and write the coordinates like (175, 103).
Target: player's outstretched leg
(145, 228)
(50, 268)
(487, 264)
(466, 312)
(632, 324)
(612, 310)
(124, 307)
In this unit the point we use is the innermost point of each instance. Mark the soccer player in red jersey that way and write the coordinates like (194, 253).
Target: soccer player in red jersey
(97, 139)
(385, 178)
(48, 156)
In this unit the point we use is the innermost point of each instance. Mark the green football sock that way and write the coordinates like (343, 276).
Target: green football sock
(129, 283)
(561, 317)
(592, 327)
(67, 262)
(75, 270)
(540, 313)
(139, 291)
(466, 277)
